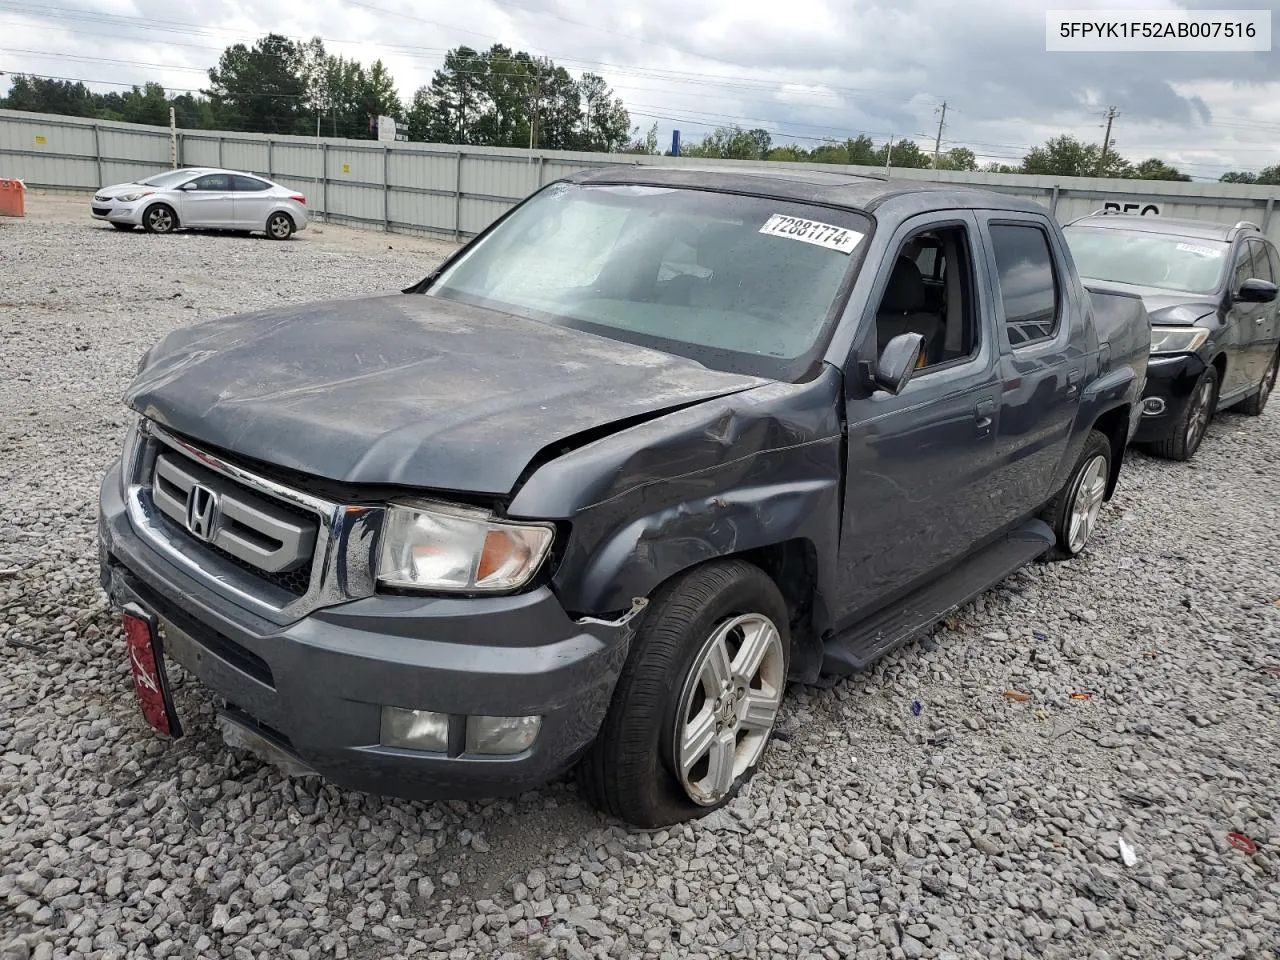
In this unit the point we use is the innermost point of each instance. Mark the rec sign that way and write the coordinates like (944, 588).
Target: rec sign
(1142, 209)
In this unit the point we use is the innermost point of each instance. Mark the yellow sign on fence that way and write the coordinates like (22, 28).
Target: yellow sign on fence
(40, 139)
(346, 168)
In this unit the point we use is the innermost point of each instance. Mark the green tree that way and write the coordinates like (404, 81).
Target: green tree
(508, 94)
(146, 105)
(1065, 156)
(731, 143)
(262, 88)
(1269, 176)
(648, 144)
(1155, 169)
(789, 154)
(557, 108)
(456, 98)
(606, 122)
(40, 95)
(995, 167)
(903, 153)
(192, 113)
(958, 158)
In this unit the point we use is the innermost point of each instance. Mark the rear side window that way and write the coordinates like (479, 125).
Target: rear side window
(1028, 282)
(1258, 258)
(1274, 259)
(246, 184)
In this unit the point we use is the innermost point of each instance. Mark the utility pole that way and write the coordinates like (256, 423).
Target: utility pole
(888, 154)
(1106, 142)
(173, 140)
(937, 143)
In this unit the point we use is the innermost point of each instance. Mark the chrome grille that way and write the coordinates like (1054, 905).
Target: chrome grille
(272, 548)
(255, 530)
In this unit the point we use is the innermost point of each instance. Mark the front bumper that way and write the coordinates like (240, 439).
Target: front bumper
(1171, 380)
(113, 211)
(315, 687)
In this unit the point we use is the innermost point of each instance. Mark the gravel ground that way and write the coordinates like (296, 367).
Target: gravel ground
(975, 826)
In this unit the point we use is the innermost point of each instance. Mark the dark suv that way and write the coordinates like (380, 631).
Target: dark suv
(1215, 322)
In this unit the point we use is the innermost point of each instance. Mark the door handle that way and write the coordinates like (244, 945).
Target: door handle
(1260, 321)
(985, 413)
(1073, 381)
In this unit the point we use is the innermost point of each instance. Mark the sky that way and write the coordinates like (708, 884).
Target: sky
(805, 70)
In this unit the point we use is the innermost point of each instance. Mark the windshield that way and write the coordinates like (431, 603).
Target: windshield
(1165, 261)
(170, 179)
(738, 283)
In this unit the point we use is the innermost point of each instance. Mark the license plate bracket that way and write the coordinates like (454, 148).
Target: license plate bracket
(150, 679)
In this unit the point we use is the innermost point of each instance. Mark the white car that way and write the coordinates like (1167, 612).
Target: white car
(204, 198)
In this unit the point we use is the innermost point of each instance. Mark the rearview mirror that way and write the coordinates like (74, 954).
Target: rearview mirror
(897, 362)
(1254, 290)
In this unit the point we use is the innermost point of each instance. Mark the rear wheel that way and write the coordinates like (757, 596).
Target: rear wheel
(697, 700)
(123, 226)
(1074, 513)
(1258, 402)
(279, 226)
(1185, 440)
(160, 218)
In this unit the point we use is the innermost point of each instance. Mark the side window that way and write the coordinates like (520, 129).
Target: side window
(1028, 282)
(1244, 266)
(1258, 258)
(937, 302)
(1274, 259)
(248, 184)
(214, 182)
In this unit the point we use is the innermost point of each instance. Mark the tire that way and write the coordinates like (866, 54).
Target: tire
(1258, 402)
(124, 227)
(632, 769)
(160, 218)
(1186, 438)
(1073, 514)
(280, 226)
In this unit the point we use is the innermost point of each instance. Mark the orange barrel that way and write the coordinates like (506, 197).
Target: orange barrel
(12, 198)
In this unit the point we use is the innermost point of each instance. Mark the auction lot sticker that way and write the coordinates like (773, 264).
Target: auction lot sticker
(812, 231)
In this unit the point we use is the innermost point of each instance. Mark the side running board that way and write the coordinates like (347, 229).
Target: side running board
(899, 622)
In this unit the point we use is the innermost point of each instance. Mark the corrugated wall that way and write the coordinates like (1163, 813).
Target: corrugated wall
(457, 191)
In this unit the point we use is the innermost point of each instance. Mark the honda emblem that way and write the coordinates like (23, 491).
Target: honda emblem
(202, 512)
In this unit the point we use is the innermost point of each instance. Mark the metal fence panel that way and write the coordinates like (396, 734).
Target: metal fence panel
(458, 191)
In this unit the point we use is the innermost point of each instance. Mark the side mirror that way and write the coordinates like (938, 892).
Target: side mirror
(189, 185)
(897, 362)
(1254, 290)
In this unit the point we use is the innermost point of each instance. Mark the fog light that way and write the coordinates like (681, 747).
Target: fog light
(415, 729)
(1153, 406)
(501, 735)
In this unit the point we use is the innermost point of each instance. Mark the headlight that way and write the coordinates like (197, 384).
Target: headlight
(436, 546)
(130, 197)
(130, 452)
(1177, 339)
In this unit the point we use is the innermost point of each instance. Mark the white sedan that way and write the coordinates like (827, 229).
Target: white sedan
(204, 198)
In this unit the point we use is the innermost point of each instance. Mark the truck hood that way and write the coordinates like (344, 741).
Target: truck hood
(409, 390)
(1165, 307)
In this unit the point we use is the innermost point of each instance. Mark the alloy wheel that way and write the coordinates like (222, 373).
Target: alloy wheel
(160, 219)
(729, 705)
(1201, 411)
(1090, 489)
(280, 227)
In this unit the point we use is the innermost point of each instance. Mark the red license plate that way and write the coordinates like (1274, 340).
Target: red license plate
(146, 660)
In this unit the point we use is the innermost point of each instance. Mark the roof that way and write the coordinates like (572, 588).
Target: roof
(811, 186)
(1169, 226)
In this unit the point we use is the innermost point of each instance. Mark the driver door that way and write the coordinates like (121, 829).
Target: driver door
(917, 494)
(207, 201)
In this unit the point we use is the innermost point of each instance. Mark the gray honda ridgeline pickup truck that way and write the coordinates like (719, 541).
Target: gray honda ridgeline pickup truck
(589, 494)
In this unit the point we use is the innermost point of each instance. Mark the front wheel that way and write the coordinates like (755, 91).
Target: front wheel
(160, 218)
(279, 226)
(697, 700)
(1073, 514)
(1258, 402)
(1183, 443)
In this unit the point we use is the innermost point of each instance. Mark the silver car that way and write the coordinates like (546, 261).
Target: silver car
(205, 198)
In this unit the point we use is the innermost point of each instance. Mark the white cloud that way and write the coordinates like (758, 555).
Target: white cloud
(803, 69)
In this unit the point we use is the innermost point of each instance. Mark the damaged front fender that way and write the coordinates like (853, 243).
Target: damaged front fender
(754, 471)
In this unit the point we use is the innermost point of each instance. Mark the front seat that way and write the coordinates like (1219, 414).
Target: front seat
(902, 309)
